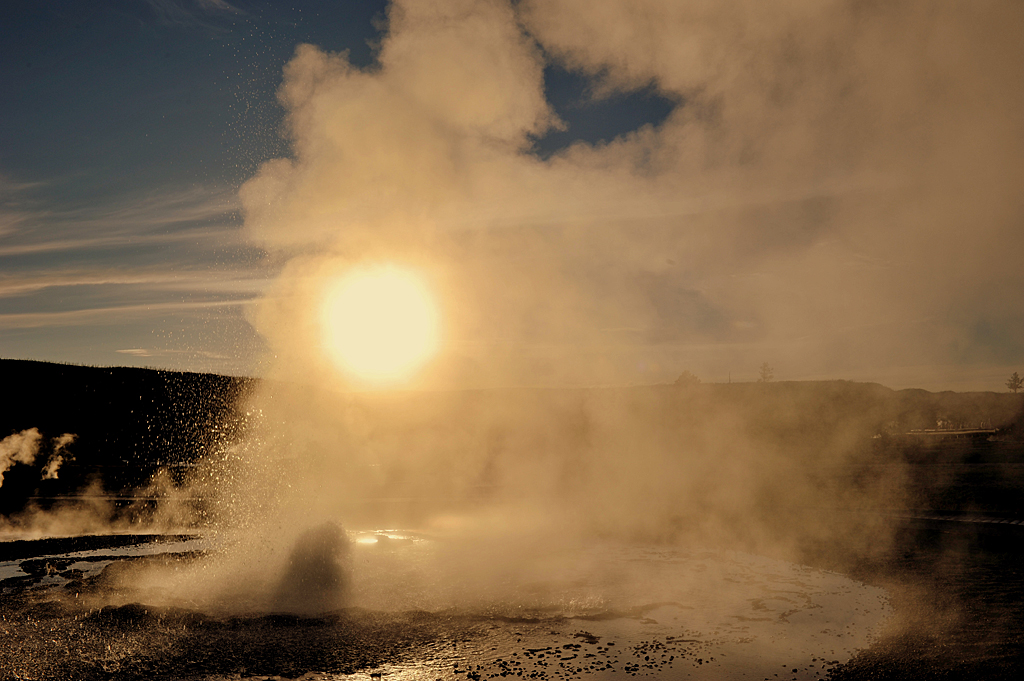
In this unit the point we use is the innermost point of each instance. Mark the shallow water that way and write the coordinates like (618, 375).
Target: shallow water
(617, 611)
(602, 611)
(92, 561)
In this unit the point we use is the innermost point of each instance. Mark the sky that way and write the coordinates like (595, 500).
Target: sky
(597, 192)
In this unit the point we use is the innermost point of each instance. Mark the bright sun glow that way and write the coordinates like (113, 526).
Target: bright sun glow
(380, 324)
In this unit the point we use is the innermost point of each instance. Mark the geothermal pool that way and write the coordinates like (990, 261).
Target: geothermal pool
(615, 611)
(437, 607)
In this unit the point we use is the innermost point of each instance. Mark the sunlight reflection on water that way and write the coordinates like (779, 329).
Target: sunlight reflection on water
(611, 611)
(600, 610)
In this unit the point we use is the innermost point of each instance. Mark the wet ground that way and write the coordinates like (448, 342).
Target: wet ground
(55, 624)
(956, 590)
(679, 614)
(955, 573)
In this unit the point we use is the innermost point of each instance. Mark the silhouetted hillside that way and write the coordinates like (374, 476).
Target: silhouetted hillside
(128, 423)
(132, 422)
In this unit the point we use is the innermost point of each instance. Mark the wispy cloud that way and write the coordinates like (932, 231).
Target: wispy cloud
(212, 237)
(130, 259)
(184, 240)
(195, 13)
(161, 209)
(12, 205)
(10, 186)
(106, 315)
(153, 216)
(169, 352)
(204, 239)
(11, 219)
(229, 280)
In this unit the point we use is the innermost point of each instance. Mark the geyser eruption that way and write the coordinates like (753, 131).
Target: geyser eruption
(791, 130)
(424, 165)
(820, 159)
(316, 578)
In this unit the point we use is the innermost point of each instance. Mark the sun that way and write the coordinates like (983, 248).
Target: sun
(380, 323)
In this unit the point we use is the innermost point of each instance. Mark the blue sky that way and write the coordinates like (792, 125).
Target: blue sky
(702, 188)
(128, 127)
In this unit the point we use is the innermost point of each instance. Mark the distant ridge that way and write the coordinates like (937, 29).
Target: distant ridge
(131, 422)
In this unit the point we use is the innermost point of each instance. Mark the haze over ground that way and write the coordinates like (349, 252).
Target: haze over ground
(833, 188)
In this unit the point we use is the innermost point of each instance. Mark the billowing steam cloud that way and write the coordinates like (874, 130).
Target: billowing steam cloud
(835, 191)
(23, 448)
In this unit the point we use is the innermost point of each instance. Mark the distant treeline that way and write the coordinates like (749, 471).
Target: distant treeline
(806, 408)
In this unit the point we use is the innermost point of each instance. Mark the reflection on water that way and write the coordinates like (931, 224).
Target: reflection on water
(598, 610)
(608, 611)
(92, 561)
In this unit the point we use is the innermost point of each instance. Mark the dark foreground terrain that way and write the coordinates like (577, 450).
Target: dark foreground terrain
(127, 424)
(952, 565)
(956, 585)
(958, 592)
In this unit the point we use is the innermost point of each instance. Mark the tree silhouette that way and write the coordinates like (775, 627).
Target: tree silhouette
(766, 373)
(1015, 382)
(687, 379)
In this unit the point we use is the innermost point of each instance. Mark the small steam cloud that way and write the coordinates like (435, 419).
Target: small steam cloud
(18, 448)
(24, 447)
(57, 458)
(89, 512)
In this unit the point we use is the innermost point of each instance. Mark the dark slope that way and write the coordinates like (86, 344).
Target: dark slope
(128, 423)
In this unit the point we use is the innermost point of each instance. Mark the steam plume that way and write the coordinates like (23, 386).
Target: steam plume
(821, 156)
(57, 457)
(23, 448)
(18, 448)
